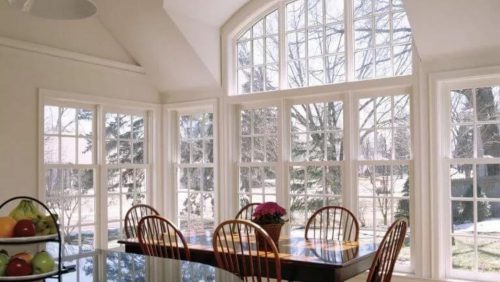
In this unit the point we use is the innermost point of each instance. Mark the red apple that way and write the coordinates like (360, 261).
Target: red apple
(24, 228)
(18, 267)
(27, 257)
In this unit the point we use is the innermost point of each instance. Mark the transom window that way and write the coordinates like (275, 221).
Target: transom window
(316, 50)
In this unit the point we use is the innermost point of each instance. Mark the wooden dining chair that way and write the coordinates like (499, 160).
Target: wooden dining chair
(161, 238)
(134, 215)
(246, 212)
(332, 223)
(239, 252)
(387, 253)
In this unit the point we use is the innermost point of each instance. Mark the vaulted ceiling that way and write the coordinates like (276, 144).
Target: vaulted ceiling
(177, 42)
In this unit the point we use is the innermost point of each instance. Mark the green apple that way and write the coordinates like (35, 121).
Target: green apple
(4, 260)
(43, 263)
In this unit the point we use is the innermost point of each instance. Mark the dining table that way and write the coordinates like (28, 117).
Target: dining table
(106, 265)
(301, 259)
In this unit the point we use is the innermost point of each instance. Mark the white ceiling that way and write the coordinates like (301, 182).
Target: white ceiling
(449, 28)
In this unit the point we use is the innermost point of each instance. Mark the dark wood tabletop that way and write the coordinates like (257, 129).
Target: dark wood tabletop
(301, 260)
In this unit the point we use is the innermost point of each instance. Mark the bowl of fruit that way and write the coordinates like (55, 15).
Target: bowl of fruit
(25, 223)
(25, 265)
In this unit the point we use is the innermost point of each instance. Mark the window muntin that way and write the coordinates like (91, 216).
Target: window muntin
(259, 145)
(257, 52)
(384, 166)
(316, 154)
(315, 35)
(382, 39)
(474, 174)
(68, 142)
(126, 168)
(195, 170)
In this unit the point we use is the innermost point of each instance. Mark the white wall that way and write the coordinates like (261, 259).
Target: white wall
(22, 73)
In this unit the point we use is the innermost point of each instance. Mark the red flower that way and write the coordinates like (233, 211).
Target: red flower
(269, 208)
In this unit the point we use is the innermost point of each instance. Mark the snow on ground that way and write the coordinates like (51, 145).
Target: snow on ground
(487, 226)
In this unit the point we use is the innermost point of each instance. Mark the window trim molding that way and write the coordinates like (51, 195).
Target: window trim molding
(99, 103)
(439, 85)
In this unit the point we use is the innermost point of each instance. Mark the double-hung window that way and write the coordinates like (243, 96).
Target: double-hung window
(473, 190)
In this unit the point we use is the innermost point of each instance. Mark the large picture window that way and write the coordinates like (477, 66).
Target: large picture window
(474, 182)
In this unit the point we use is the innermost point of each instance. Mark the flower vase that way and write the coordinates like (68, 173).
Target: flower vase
(274, 231)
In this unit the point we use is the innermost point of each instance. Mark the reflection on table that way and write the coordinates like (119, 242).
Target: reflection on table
(303, 260)
(104, 265)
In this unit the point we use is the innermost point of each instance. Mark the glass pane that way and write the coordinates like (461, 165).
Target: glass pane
(195, 179)
(366, 113)
(272, 77)
(183, 179)
(244, 179)
(51, 120)
(317, 147)
(256, 180)
(258, 51)
(208, 179)
(488, 181)
(402, 110)
(489, 255)
(315, 183)
(383, 144)
(402, 141)
(258, 29)
(488, 103)
(334, 180)
(367, 144)
(197, 151)
(85, 127)
(401, 28)
(383, 111)
(296, 74)
(488, 218)
(383, 64)
(258, 79)
(272, 23)
(299, 147)
(140, 180)
(296, 45)
(400, 181)
(272, 50)
(272, 148)
(314, 12)
(125, 152)
(382, 30)
(295, 15)
(246, 149)
(402, 59)
(462, 109)
(244, 81)
(113, 231)
(88, 210)
(462, 253)
(363, 62)
(462, 141)
(334, 144)
(53, 182)
(334, 38)
(51, 149)
(209, 151)
(363, 34)
(114, 207)
(85, 151)
(87, 181)
(138, 152)
(488, 141)
(334, 115)
(113, 180)
(269, 180)
(362, 8)
(334, 10)
(245, 122)
(297, 179)
(462, 217)
(138, 127)
(259, 149)
(125, 126)
(247, 35)
(365, 217)
(68, 121)
(298, 118)
(111, 125)
(461, 177)
(316, 72)
(335, 69)
(382, 6)
(244, 53)
(68, 150)
(298, 214)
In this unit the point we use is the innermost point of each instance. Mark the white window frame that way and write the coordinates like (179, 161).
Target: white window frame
(440, 86)
(48, 97)
(171, 155)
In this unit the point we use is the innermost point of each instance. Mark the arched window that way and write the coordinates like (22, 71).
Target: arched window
(325, 42)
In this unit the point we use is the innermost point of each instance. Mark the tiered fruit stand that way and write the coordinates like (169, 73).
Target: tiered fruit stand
(60, 269)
